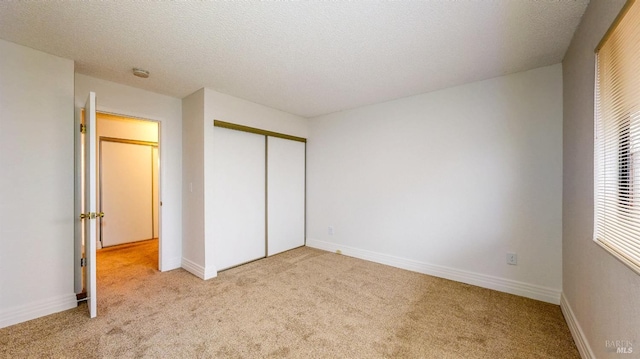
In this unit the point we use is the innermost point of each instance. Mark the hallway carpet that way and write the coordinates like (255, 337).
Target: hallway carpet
(305, 303)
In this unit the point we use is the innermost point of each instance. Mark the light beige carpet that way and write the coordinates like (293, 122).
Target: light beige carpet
(304, 303)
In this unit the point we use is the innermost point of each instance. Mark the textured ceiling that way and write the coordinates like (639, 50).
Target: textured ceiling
(306, 58)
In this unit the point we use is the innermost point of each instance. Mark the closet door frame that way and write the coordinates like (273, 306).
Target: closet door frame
(233, 126)
(154, 210)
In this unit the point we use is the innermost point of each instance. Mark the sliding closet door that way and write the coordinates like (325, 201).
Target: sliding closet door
(286, 193)
(125, 192)
(239, 197)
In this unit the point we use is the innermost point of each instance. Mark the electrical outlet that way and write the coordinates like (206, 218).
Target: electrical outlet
(330, 230)
(512, 259)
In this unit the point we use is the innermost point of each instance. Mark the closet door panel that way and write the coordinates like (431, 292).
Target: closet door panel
(286, 194)
(239, 197)
(125, 193)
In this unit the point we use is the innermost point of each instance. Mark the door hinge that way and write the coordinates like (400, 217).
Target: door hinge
(83, 128)
(83, 262)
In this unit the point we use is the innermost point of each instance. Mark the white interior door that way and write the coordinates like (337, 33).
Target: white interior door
(239, 197)
(126, 192)
(90, 202)
(286, 194)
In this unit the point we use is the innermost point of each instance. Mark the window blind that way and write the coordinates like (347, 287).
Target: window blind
(617, 139)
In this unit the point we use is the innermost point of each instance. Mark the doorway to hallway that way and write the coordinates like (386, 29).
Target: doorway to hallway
(128, 181)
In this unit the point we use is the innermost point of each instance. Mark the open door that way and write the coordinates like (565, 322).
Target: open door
(90, 202)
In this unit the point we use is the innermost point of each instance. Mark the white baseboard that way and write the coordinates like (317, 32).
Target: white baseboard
(576, 331)
(527, 290)
(193, 268)
(171, 264)
(198, 270)
(210, 272)
(37, 309)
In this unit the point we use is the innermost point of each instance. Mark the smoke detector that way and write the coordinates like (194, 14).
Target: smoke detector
(140, 73)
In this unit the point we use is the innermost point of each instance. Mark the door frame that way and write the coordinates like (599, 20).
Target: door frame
(159, 143)
(269, 134)
(79, 249)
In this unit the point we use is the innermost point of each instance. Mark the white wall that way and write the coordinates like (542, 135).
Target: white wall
(447, 182)
(133, 102)
(36, 184)
(193, 183)
(601, 296)
(231, 109)
(125, 128)
(200, 109)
